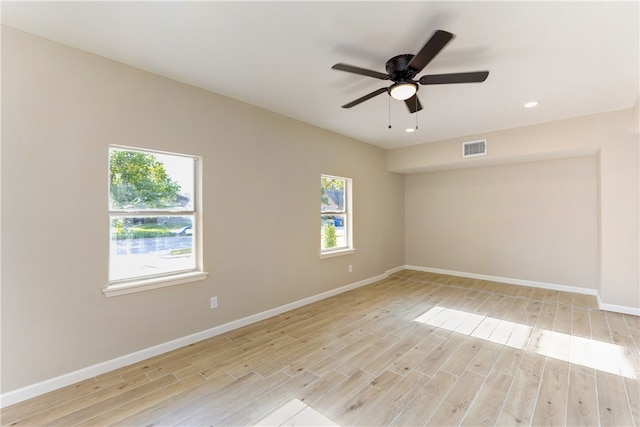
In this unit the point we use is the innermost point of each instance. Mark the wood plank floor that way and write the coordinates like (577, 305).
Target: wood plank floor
(413, 349)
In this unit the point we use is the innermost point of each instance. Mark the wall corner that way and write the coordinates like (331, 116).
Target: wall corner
(635, 110)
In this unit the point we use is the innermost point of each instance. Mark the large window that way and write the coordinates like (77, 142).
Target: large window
(154, 225)
(335, 215)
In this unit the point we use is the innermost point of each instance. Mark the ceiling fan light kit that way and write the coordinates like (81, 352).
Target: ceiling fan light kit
(403, 90)
(402, 70)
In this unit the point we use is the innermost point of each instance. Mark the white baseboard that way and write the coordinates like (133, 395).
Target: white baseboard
(618, 308)
(587, 291)
(46, 386)
(395, 270)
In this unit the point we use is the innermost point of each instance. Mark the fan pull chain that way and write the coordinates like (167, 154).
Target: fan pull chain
(389, 112)
(416, 113)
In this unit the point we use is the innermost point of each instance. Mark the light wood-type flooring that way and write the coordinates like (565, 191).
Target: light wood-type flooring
(413, 349)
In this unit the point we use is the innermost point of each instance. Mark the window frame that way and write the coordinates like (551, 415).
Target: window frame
(122, 286)
(348, 248)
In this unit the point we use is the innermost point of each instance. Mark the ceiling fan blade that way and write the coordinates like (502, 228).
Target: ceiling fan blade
(362, 71)
(439, 79)
(413, 103)
(364, 98)
(436, 43)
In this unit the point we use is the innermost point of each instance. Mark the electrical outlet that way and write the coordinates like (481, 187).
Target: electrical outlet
(214, 302)
(350, 268)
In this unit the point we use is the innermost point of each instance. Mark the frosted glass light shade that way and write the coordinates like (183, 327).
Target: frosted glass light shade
(403, 90)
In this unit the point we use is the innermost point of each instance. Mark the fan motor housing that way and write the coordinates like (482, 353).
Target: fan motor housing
(397, 67)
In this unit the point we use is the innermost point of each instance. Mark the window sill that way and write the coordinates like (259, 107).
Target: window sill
(339, 252)
(153, 283)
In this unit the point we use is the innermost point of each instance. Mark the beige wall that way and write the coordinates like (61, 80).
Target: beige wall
(610, 137)
(61, 108)
(534, 221)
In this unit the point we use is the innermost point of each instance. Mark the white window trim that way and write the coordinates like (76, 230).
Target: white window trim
(350, 248)
(123, 287)
(133, 286)
(339, 252)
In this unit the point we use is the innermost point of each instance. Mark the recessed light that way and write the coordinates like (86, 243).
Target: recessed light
(531, 104)
(410, 130)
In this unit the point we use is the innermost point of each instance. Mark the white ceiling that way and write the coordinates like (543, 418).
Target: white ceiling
(575, 58)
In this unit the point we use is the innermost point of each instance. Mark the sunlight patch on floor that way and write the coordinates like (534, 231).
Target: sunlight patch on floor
(588, 352)
(296, 413)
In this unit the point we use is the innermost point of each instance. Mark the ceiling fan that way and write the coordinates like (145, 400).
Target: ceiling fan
(402, 69)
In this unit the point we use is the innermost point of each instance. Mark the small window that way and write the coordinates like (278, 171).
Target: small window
(335, 215)
(153, 217)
